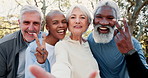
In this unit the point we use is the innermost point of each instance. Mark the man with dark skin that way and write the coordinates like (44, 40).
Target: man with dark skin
(108, 46)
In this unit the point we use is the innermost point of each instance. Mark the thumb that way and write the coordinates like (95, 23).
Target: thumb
(93, 74)
(38, 72)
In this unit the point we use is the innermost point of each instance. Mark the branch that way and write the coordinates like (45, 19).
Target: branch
(36, 3)
(92, 4)
(132, 4)
(9, 28)
(137, 9)
(18, 3)
(60, 6)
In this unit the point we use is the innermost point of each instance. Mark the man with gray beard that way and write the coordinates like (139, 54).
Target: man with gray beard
(110, 48)
(103, 44)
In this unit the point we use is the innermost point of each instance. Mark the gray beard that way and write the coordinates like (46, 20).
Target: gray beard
(103, 38)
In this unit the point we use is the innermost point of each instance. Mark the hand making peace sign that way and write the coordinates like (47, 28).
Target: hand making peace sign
(42, 53)
(123, 39)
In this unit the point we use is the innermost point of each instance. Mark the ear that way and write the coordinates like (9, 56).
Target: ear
(47, 27)
(18, 21)
(93, 21)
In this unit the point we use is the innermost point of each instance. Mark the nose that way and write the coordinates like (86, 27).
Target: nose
(31, 27)
(61, 25)
(77, 21)
(104, 22)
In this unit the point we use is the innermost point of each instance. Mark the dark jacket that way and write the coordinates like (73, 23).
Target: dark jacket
(10, 46)
(135, 66)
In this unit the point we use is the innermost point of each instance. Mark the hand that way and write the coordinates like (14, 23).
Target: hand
(123, 39)
(42, 53)
(38, 72)
(93, 74)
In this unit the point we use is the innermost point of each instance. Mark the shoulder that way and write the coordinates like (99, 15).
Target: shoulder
(134, 40)
(10, 37)
(90, 37)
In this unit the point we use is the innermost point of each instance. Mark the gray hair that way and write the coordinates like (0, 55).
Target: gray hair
(83, 9)
(53, 12)
(111, 4)
(29, 8)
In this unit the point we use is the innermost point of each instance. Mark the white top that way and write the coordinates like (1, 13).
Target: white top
(73, 60)
(51, 54)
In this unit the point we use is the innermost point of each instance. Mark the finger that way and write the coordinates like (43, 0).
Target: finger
(93, 75)
(126, 25)
(43, 42)
(37, 40)
(38, 72)
(119, 28)
(45, 55)
(39, 50)
(115, 32)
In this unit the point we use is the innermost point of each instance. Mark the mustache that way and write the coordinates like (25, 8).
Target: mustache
(98, 25)
(31, 31)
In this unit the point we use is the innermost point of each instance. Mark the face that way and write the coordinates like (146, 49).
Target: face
(57, 26)
(104, 24)
(30, 23)
(78, 22)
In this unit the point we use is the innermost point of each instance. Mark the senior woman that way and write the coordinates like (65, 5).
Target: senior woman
(74, 58)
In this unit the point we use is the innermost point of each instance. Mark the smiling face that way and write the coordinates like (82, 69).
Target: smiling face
(77, 22)
(57, 25)
(104, 24)
(30, 23)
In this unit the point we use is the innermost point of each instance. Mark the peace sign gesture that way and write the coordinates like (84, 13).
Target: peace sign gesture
(41, 52)
(123, 39)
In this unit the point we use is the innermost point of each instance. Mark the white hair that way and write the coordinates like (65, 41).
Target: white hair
(111, 4)
(103, 38)
(29, 8)
(83, 9)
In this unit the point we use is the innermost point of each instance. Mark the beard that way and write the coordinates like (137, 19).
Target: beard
(103, 38)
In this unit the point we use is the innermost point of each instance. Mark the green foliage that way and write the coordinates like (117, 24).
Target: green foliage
(137, 23)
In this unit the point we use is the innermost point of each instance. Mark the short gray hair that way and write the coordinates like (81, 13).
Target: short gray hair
(111, 4)
(29, 8)
(83, 9)
(51, 13)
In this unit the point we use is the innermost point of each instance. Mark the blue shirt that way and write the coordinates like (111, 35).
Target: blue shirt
(31, 58)
(110, 61)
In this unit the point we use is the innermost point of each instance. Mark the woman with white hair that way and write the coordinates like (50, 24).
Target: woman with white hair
(74, 58)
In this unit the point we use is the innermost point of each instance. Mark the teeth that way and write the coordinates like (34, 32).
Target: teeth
(102, 28)
(60, 31)
(30, 33)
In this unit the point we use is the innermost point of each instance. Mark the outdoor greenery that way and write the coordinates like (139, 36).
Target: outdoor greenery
(136, 12)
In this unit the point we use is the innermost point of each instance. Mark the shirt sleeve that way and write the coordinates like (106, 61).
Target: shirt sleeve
(135, 66)
(31, 60)
(61, 68)
(139, 49)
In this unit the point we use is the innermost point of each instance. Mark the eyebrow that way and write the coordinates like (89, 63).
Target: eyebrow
(80, 15)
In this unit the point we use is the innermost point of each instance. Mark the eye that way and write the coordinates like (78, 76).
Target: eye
(110, 17)
(36, 23)
(26, 22)
(98, 16)
(64, 22)
(72, 17)
(55, 22)
(83, 17)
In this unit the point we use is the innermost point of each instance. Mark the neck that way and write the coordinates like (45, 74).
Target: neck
(76, 38)
(51, 40)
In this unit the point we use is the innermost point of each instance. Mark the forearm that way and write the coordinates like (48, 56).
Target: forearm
(135, 66)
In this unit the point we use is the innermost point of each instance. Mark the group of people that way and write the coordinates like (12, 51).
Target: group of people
(109, 51)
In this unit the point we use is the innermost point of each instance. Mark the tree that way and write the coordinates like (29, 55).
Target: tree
(136, 11)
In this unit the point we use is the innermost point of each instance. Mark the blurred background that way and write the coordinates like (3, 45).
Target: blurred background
(136, 12)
